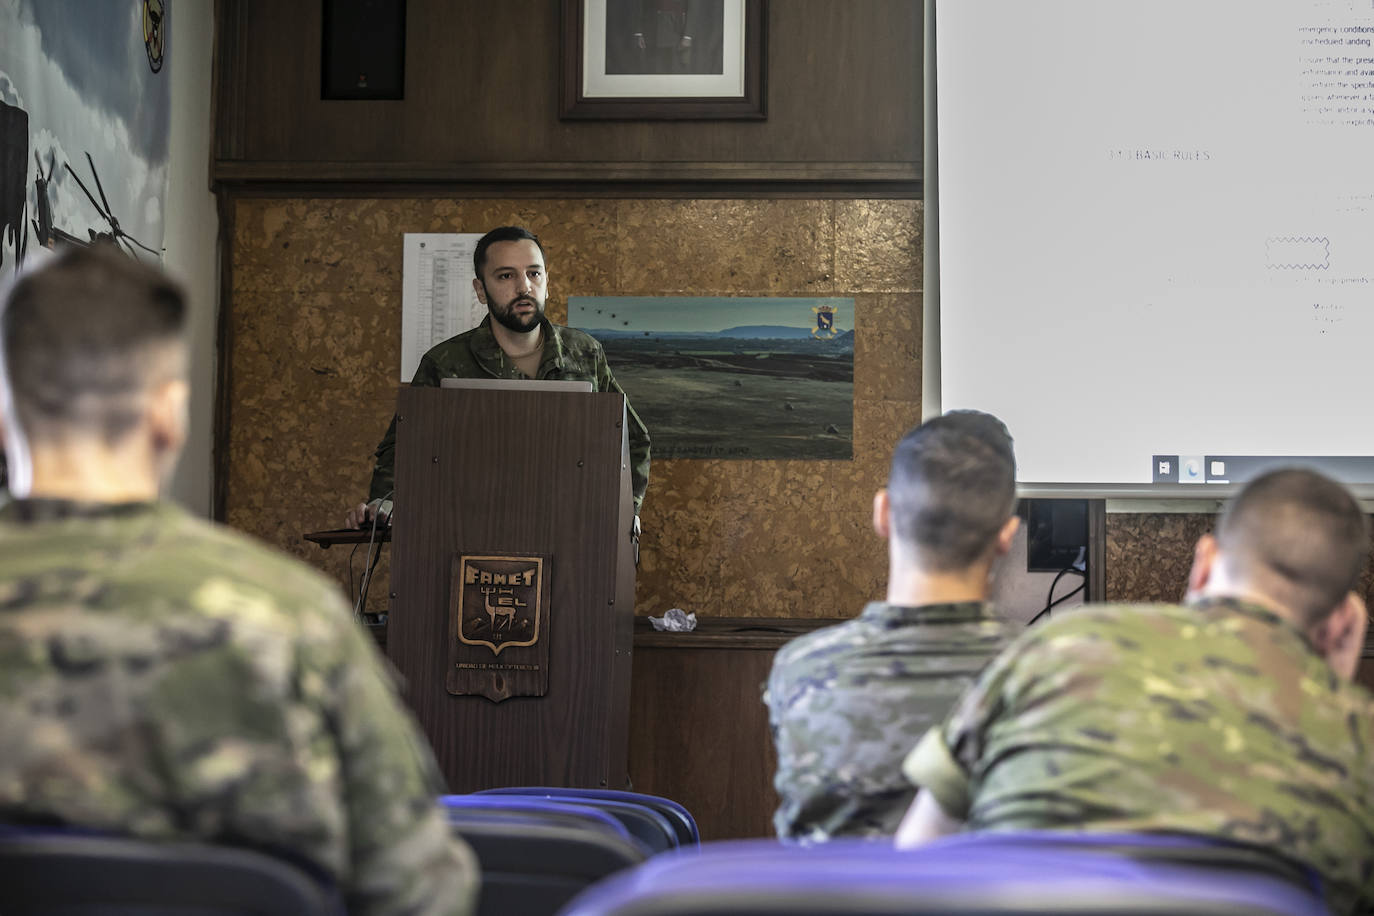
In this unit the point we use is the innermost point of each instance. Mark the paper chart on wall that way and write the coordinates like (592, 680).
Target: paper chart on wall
(437, 298)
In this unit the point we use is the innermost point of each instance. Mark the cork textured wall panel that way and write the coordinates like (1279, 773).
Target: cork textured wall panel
(1148, 556)
(314, 341)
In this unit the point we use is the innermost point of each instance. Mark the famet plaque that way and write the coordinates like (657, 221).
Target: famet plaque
(499, 626)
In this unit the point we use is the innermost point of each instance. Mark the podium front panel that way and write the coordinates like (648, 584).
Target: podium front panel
(516, 473)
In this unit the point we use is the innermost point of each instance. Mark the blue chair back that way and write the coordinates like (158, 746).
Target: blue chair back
(993, 874)
(645, 824)
(516, 809)
(80, 874)
(683, 824)
(536, 855)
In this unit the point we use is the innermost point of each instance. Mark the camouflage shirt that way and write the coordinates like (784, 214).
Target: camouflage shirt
(568, 354)
(172, 680)
(1217, 720)
(846, 704)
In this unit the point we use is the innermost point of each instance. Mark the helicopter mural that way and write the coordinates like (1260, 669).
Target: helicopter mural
(48, 234)
(16, 225)
(85, 113)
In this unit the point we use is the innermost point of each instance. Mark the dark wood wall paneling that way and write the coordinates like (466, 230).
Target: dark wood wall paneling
(699, 734)
(843, 100)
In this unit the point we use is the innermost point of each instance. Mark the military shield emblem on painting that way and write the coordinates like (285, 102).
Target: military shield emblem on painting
(825, 322)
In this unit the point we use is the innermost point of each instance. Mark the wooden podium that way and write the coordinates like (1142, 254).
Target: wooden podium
(512, 603)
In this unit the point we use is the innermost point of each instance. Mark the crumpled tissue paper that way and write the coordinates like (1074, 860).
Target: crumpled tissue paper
(675, 620)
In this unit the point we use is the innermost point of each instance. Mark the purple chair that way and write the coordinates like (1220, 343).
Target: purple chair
(683, 824)
(645, 819)
(536, 854)
(467, 808)
(994, 874)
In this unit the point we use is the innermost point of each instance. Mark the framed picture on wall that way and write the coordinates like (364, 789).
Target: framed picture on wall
(663, 59)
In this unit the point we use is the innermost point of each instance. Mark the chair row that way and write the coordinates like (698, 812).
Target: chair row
(538, 847)
(993, 874)
(594, 853)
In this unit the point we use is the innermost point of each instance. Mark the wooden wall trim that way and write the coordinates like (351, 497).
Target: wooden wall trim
(236, 172)
(228, 111)
(1097, 551)
(639, 190)
(731, 632)
(223, 351)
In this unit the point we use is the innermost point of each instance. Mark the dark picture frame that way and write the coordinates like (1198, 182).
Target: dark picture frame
(596, 83)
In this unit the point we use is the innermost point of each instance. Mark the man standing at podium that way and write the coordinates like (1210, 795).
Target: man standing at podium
(514, 341)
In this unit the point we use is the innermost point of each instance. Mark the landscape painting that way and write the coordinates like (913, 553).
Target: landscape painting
(732, 377)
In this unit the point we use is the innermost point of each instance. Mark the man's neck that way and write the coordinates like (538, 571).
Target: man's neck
(910, 586)
(90, 475)
(518, 344)
(1225, 590)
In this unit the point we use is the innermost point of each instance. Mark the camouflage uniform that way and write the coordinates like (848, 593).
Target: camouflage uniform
(1217, 720)
(172, 680)
(846, 704)
(568, 354)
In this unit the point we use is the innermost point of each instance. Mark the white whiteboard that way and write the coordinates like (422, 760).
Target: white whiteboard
(1156, 229)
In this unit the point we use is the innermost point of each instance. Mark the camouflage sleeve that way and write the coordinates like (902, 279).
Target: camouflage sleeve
(932, 767)
(638, 433)
(383, 484)
(403, 856)
(384, 472)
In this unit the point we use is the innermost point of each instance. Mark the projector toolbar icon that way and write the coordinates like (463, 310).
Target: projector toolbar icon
(1165, 469)
(1190, 469)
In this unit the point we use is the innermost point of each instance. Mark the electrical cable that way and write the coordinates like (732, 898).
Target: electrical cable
(370, 561)
(351, 554)
(1050, 601)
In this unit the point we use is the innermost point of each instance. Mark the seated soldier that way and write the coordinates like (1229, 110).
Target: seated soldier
(166, 678)
(1233, 718)
(847, 702)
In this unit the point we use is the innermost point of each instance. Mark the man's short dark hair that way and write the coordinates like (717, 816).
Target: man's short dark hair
(81, 338)
(501, 234)
(1297, 535)
(952, 487)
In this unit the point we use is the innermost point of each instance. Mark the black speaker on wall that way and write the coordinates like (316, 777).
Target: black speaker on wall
(363, 55)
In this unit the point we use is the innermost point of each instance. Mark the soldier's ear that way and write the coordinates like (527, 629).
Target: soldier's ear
(167, 416)
(1339, 638)
(480, 289)
(882, 514)
(1007, 535)
(1204, 564)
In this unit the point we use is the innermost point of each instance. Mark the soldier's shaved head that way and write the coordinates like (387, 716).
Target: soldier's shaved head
(1297, 537)
(85, 337)
(951, 488)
